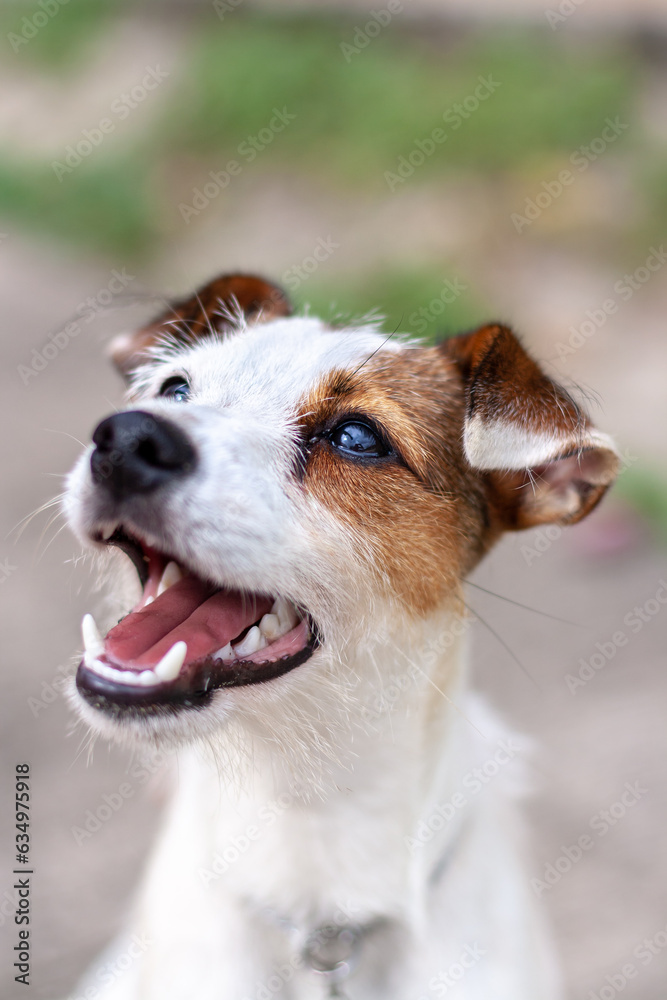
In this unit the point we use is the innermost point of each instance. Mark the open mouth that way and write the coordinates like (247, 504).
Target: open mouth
(186, 637)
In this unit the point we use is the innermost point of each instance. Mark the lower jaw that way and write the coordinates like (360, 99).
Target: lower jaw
(193, 690)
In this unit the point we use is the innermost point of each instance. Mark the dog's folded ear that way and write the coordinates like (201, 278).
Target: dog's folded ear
(212, 308)
(542, 458)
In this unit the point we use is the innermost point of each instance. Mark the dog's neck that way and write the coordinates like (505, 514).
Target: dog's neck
(347, 849)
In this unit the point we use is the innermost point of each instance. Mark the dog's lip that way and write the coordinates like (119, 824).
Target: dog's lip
(190, 690)
(202, 613)
(128, 543)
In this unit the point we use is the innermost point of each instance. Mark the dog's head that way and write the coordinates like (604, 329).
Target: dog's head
(296, 496)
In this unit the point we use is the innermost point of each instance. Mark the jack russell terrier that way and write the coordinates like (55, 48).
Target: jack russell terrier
(302, 504)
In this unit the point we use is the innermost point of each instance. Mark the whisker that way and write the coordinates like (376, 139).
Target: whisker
(52, 539)
(505, 646)
(57, 430)
(443, 694)
(526, 607)
(25, 521)
(379, 348)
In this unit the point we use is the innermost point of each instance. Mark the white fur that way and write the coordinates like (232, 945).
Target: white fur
(361, 770)
(500, 444)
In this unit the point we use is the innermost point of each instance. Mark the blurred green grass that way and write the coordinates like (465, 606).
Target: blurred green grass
(73, 25)
(353, 119)
(410, 301)
(645, 489)
(107, 208)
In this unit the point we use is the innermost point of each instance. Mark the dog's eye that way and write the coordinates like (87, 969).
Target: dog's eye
(355, 438)
(175, 389)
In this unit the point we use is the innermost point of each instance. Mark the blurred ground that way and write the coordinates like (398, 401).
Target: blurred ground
(449, 221)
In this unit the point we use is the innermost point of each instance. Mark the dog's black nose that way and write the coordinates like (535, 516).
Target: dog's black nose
(137, 452)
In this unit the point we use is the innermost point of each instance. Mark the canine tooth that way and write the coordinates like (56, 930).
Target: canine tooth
(170, 665)
(149, 600)
(108, 532)
(286, 614)
(225, 653)
(92, 640)
(253, 641)
(170, 575)
(270, 628)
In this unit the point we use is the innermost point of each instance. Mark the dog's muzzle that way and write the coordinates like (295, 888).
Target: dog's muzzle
(188, 635)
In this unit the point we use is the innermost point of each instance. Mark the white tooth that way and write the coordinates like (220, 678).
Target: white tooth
(171, 575)
(269, 626)
(132, 677)
(225, 653)
(143, 678)
(126, 676)
(92, 640)
(108, 532)
(103, 669)
(286, 614)
(149, 600)
(253, 641)
(170, 665)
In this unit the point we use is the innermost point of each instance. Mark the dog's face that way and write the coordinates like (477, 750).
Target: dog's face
(292, 494)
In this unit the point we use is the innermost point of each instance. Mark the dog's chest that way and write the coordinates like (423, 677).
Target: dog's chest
(304, 860)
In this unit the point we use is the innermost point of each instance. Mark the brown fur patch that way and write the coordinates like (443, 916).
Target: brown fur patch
(504, 384)
(421, 515)
(428, 515)
(201, 313)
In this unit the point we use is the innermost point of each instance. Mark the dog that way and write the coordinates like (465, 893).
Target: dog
(302, 503)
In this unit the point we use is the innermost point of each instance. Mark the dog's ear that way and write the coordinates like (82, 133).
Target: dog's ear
(542, 458)
(210, 309)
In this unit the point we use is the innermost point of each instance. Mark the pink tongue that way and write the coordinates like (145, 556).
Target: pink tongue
(187, 611)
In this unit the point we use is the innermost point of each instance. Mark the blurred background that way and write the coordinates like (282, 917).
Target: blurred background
(442, 162)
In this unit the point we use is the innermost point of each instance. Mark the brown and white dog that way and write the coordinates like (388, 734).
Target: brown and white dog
(303, 504)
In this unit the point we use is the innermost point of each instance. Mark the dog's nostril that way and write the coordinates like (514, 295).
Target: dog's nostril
(136, 452)
(103, 435)
(164, 446)
(148, 450)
